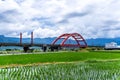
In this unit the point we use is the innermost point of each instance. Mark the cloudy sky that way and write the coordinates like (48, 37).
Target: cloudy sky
(51, 18)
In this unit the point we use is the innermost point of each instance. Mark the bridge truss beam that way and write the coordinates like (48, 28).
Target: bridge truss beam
(77, 37)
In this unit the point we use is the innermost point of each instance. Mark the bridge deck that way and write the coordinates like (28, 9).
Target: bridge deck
(25, 44)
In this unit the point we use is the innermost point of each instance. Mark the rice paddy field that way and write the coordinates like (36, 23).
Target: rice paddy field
(94, 65)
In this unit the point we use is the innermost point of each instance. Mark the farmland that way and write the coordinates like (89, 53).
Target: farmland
(94, 65)
(58, 57)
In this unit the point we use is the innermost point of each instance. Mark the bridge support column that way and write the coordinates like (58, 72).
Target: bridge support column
(25, 48)
(44, 48)
(20, 38)
(31, 38)
(55, 48)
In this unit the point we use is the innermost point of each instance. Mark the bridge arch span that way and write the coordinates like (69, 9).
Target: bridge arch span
(77, 37)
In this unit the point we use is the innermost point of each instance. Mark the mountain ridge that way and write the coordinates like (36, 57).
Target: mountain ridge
(90, 42)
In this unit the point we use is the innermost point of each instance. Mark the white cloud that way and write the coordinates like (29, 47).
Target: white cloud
(8, 5)
(49, 18)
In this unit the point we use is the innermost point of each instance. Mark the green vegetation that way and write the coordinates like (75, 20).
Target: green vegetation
(58, 57)
(80, 65)
(70, 71)
(3, 52)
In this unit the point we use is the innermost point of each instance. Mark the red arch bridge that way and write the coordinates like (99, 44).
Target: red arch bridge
(59, 42)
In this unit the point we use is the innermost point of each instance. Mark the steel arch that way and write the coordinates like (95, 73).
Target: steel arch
(77, 37)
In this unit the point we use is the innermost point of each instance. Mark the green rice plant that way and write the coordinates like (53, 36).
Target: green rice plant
(58, 57)
(71, 71)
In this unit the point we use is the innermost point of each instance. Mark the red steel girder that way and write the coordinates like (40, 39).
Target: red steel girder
(77, 37)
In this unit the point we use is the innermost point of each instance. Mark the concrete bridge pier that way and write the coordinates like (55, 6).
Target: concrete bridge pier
(55, 48)
(44, 48)
(25, 48)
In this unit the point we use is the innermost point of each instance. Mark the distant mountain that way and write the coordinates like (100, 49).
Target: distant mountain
(4, 39)
(1, 36)
(90, 42)
(102, 41)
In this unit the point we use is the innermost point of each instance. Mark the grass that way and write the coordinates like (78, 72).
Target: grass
(23, 59)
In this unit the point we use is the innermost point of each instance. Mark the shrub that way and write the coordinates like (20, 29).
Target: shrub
(3, 52)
